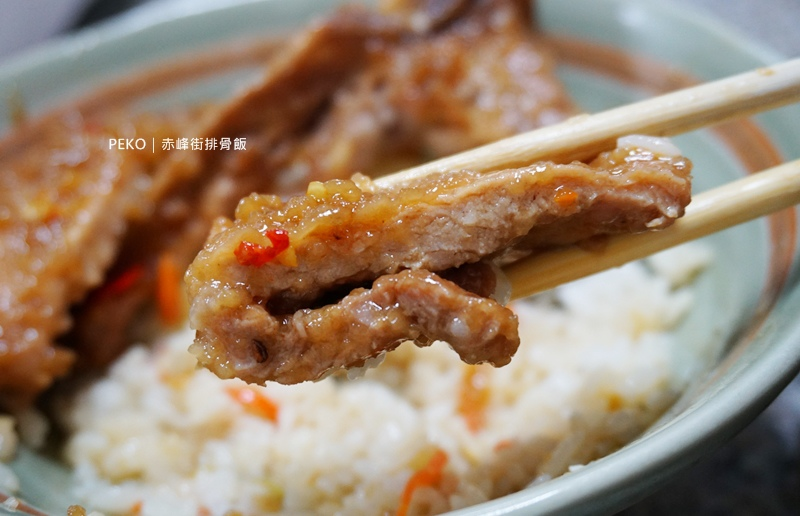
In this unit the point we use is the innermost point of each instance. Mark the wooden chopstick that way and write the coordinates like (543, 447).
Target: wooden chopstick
(737, 202)
(584, 136)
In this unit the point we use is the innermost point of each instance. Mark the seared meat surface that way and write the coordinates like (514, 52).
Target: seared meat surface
(259, 290)
(358, 91)
(65, 199)
(308, 344)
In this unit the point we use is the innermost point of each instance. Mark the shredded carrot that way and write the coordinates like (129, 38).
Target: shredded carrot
(136, 508)
(249, 253)
(120, 284)
(168, 291)
(473, 398)
(565, 197)
(255, 403)
(503, 445)
(430, 475)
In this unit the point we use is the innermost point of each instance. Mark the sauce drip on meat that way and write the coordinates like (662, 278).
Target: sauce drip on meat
(358, 91)
(274, 320)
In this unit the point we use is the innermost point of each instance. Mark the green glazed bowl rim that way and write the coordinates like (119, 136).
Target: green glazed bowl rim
(739, 388)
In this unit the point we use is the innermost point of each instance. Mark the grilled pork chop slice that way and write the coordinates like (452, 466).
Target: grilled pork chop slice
(291, 291)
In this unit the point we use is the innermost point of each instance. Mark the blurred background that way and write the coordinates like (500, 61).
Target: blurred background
(24, 23)
(756, 473)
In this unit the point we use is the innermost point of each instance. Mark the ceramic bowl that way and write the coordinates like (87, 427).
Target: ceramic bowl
(612, 52)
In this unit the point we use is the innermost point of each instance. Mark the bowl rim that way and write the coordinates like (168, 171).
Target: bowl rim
(696, 431)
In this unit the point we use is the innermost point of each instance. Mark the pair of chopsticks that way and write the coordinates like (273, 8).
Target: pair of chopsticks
(584, 136)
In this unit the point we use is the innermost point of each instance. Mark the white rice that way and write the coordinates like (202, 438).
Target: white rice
(597, 366)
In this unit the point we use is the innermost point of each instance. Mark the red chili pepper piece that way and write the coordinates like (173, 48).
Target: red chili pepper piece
(279, 239)
(120, 284)
(249, 253)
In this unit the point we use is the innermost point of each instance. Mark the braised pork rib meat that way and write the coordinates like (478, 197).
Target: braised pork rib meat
(291, 291)
(357, 91)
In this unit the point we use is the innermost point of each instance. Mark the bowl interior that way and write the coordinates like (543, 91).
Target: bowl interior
(739, 323)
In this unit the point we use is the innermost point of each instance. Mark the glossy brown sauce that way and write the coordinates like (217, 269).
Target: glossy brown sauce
(743, 138)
